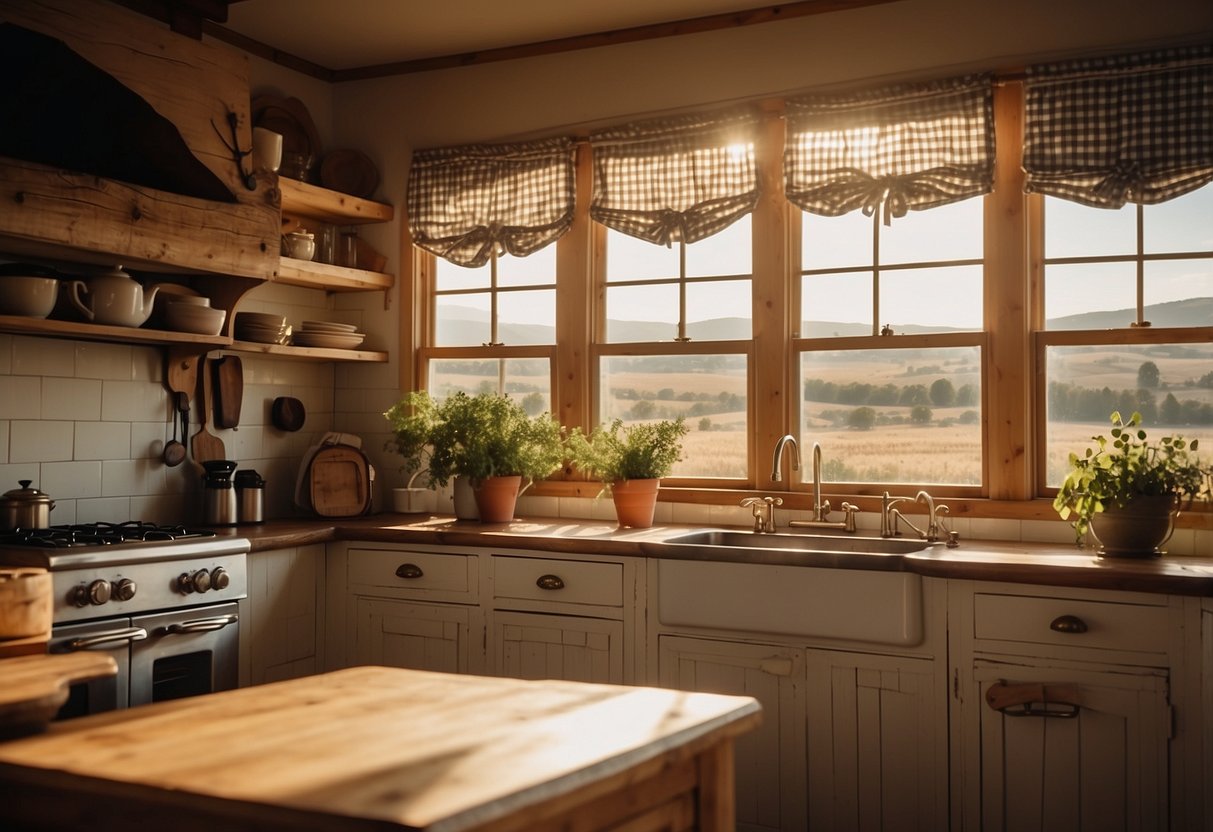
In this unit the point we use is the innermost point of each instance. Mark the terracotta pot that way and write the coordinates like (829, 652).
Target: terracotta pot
(635, 501)
(496, 497)
(1136, 529)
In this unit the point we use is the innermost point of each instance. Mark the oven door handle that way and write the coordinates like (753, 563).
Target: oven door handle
(202, 625)
(110, 637)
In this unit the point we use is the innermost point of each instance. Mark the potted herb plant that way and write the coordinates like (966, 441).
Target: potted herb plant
(1127, 490)
(630, 461)
(487, 439)
(412, 419)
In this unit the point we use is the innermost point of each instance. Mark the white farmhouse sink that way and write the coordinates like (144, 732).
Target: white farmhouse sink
(882, 607)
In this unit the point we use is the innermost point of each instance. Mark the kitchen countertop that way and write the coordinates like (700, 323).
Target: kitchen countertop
(377, 748)
(1030, 563)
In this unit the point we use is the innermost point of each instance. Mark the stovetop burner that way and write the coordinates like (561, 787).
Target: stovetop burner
(100, 534)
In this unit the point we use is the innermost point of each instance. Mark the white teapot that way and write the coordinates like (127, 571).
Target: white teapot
(115, 298)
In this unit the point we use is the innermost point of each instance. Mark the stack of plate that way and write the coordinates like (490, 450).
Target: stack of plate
(328, 334)
(261, 327)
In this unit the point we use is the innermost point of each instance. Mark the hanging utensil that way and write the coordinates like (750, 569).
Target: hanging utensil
(174, 451)
(205, 445)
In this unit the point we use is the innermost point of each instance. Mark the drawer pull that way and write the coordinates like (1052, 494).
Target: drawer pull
(409, 571)
(1068, 624)
(550, 582)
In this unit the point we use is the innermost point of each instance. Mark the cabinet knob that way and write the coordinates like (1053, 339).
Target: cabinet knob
(408, 571)
(1068, 624)
(550, 582)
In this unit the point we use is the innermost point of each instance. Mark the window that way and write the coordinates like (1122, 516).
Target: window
(677, 343)
(885, 412)
(1128, 302)
(494, 328)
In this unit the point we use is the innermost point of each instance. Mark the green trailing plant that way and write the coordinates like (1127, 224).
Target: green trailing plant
(413, 419)
(614, 453)
(1128, 466)
(478, 436)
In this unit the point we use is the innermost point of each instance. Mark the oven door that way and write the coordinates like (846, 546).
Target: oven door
(113, 636)
(186, 653)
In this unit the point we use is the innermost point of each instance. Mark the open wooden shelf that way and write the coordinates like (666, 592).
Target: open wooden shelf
(300, 199)
(21, 325)
(313, 275)
(310, 353)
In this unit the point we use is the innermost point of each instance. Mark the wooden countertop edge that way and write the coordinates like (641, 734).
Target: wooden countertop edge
(986, 560)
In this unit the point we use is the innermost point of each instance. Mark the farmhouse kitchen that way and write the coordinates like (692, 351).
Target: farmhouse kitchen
(870, 253)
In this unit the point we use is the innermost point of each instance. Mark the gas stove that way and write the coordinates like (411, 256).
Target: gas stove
(107, 569)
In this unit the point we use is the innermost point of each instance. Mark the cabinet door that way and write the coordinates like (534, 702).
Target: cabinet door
(1104, 769)
(536, 646)
(770, 761)
(412, 634)
(877, 743)
(281, 618)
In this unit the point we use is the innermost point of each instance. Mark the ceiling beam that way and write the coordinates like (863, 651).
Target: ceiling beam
(710, 23)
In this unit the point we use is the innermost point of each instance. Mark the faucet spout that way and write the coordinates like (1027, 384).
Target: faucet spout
(776, 460)
(820, 508)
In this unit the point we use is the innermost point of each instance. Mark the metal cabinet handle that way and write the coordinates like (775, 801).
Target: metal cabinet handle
(1068, 624)
(550, 582)
(201, 625)
(409, 571)
(125, 635)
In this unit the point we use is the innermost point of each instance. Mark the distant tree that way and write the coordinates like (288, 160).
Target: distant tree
(1170, 412)
(705, 423)
(966, 396)
(920, 414)
(1148, 375)
(643, 409)
(969, 417)
(913, 394)
(862, 418)
(943, 394)
(1206, 380)
(533, 404)
(666, 394)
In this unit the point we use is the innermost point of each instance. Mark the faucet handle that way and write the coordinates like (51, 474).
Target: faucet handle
(849, 511)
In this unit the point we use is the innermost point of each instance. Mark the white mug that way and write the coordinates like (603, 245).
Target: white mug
(267, 149)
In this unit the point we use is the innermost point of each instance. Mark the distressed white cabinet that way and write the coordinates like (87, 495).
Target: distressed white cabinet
(770, 761)
(282, 619)
(407, 607)
(1065, 710)
(877, 743)
(556, 618)
(849, 668)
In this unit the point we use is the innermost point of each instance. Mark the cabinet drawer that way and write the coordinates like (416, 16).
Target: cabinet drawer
(562, 581)
(1057, 621)
(415, 574)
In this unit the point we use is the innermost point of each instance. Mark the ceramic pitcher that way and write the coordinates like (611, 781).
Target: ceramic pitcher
(114, 298)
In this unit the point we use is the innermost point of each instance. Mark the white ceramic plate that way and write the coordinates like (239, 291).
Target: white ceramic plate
(330, 340)
(260, 319)
(328, 326)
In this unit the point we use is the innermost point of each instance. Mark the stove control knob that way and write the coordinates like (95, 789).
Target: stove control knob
(125, 589)
(199, 581)
(98, 592)
(220, 579)
(202, 580)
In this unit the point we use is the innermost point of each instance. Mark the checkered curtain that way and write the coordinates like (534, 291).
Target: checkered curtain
(1130, 128)
(894, 149)
(682, 178)
(465, 201)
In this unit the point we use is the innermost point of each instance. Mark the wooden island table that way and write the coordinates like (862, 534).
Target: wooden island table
(377, 748)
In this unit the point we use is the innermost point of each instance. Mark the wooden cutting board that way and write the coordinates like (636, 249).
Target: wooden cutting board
(340, 482)
(205, 445)
(229, 391)
(35, 687)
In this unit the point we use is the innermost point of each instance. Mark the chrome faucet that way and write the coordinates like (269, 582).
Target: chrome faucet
(891, 517)
(776, 472)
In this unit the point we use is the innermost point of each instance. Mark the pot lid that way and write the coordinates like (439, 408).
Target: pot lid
(25, 494)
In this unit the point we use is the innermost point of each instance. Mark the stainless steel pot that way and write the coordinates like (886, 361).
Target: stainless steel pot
(25, 508)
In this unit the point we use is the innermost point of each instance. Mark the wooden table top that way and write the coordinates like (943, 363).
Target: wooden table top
(377, 747)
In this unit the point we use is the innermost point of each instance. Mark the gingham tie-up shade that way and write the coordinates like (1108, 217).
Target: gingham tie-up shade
(465, 201)
(683, 178)
(910, 146)
(1129, 128)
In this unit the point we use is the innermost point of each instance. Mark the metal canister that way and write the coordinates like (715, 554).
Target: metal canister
(218, 496)
(250, 496)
